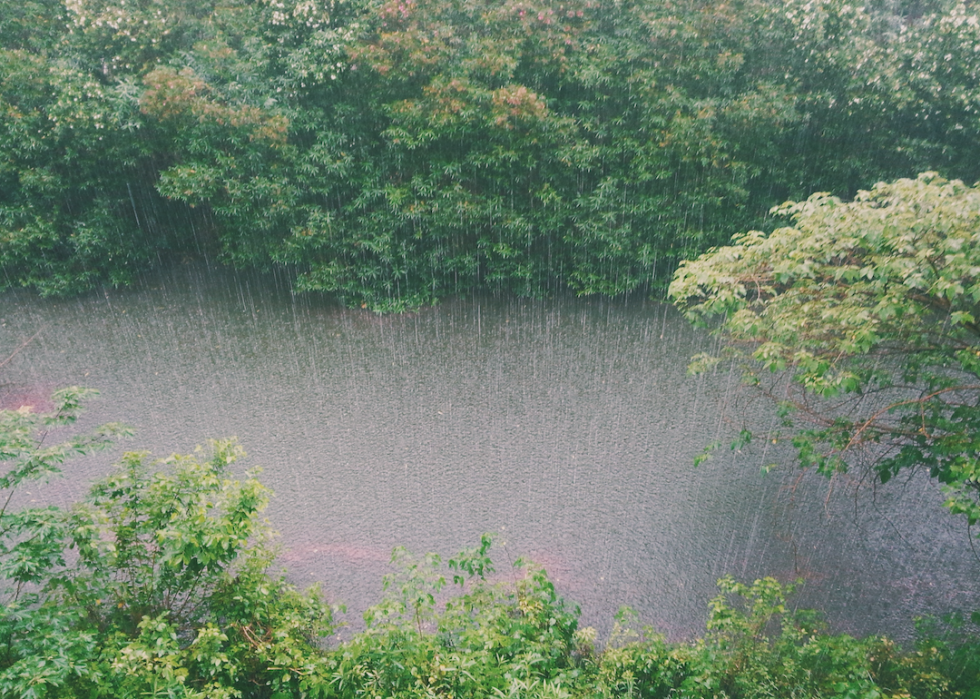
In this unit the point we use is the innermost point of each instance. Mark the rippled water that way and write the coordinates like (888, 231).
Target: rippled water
(566, 426)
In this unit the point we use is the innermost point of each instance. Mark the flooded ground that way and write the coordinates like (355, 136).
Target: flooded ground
(566, 426)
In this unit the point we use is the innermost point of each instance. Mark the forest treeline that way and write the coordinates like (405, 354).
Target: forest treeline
(393, 152)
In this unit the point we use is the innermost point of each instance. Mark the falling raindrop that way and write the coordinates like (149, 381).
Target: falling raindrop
(568, 423)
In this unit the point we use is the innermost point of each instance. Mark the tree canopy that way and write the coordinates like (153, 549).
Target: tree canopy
(870, 307)
(395, 152)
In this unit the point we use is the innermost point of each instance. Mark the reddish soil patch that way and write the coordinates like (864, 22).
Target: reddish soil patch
(17, 396)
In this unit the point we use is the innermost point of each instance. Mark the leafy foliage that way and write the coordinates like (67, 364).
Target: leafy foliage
(489, 641)
(394, 152)
(166, 591)
(760, 647)
(872, 308)
(31, 538)
(492, 637)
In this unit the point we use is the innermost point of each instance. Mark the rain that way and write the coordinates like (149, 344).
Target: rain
(568, 427)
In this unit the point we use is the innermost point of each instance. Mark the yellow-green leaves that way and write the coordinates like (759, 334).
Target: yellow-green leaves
(875, 297)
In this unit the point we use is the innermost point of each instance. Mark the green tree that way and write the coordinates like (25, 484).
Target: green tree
(758, 646)
(490, 638)
(166, 593)
(31, 538)
(393, 152)
(39, 649)
(860, 321)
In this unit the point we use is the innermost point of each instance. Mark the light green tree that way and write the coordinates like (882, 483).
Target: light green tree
(166, 592)
(860, 321)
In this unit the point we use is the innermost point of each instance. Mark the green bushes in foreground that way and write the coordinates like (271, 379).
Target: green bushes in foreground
(167, 594)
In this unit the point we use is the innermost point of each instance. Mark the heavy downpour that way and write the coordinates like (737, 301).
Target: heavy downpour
(419, 348)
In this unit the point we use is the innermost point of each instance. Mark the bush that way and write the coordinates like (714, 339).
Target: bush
(167, 593)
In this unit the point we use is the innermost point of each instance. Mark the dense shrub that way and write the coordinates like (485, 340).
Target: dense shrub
(166, 592)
